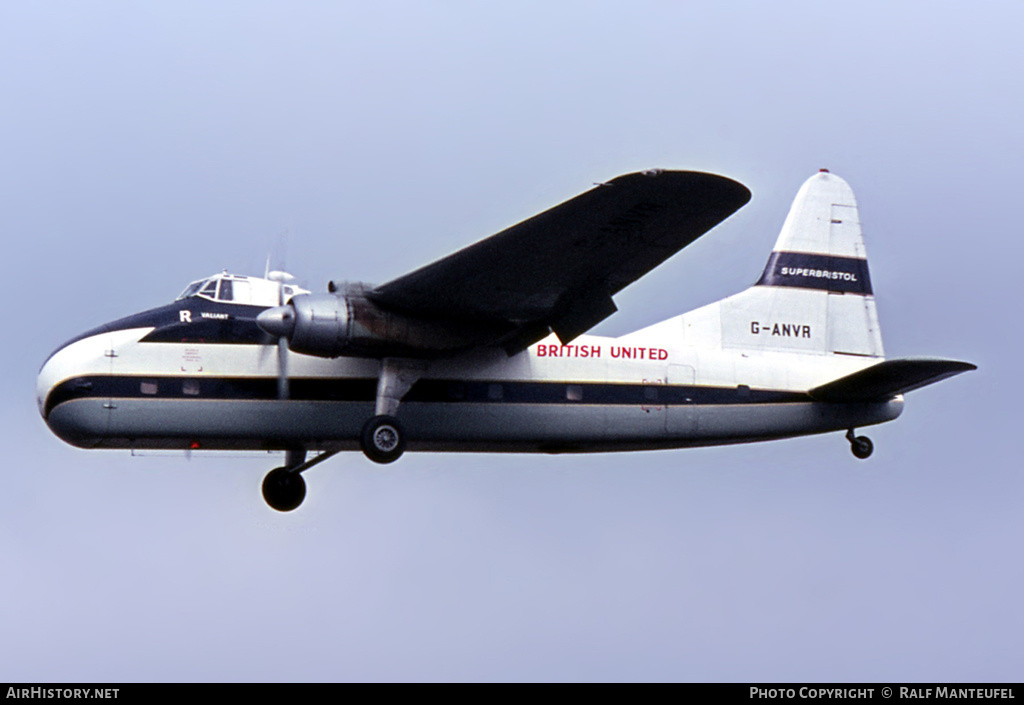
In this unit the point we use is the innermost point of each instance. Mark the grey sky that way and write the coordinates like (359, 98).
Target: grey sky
(147, 145)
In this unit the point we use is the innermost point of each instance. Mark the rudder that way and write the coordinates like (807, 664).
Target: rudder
(815, 293)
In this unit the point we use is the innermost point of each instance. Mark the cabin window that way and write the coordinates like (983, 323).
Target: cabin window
(190, 387)
(574, 392)
(495, 392)
(457, 391)
(651, 393)
(149, 387)
(743, 391)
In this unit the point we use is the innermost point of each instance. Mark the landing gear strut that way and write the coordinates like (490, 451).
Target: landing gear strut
(383, 438)
(283, 487)
(860, 446)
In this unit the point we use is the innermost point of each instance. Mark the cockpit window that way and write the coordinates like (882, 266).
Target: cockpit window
(210, 290)
(191, 289)
(244, 291)
(207, 288)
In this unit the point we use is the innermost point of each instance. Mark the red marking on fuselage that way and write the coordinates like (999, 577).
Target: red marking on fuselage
(639, 353)
(568, 351)
(616, 351)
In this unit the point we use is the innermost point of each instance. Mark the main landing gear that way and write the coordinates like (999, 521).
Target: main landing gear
(383, 438)
(283, 487)
(860, 446)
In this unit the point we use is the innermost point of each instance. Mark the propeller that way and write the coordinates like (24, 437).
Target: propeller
(282, 368)
(279, 322)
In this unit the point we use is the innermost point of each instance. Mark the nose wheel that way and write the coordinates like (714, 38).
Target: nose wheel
(860, 446)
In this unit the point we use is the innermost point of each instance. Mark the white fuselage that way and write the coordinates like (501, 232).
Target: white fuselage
(201, 373)
(114, 390)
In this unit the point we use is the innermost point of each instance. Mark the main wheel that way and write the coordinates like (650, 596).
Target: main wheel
(382, 439)
(283, 490)
(862, 447)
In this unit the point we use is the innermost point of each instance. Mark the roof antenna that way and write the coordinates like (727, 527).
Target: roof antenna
(278, 253)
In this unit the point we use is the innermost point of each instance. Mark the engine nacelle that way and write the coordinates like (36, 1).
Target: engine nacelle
(333, 325)
(322, 325)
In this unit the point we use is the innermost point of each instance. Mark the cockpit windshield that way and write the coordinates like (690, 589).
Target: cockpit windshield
(191, 289)
(209, 289)
(238, 289)
(218, 288)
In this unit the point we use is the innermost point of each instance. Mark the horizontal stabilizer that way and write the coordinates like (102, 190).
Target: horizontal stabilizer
(889, 378)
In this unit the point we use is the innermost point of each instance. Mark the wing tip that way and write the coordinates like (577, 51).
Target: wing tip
(728, 191)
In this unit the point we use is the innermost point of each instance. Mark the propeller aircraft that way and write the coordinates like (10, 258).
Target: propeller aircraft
(486, 350)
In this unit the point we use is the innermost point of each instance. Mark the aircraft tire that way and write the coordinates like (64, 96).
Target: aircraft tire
(862, 447)
(382, 439)
(283, 490)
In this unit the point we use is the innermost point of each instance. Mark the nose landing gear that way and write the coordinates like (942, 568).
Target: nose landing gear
(860, 446)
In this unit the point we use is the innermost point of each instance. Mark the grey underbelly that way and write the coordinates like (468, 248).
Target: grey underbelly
(456, 426)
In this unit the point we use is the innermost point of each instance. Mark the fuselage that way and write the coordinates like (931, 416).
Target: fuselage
(450, 357)
(199, 373)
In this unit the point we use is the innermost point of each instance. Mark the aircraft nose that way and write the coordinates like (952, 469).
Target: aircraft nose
(48, 378)
(42, 391)
(67, 394)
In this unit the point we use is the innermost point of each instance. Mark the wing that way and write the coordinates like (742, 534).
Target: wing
(558, 270)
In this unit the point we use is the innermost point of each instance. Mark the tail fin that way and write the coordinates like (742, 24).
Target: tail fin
(815, 293)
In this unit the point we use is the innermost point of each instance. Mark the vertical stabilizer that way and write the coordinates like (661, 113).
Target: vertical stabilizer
(815, 293)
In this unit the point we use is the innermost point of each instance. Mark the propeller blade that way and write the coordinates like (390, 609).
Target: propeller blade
(282, 368)
(279, 322)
